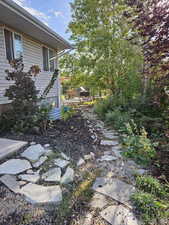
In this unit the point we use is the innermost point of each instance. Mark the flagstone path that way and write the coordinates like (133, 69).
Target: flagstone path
(26, 175)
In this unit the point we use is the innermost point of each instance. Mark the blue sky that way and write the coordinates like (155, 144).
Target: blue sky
(54, 13)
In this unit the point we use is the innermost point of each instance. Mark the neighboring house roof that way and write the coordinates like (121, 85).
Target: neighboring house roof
(18, 18)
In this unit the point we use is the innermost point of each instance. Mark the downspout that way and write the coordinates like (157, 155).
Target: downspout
(59, 55)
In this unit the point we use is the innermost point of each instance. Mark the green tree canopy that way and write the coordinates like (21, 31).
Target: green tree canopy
(104, 57)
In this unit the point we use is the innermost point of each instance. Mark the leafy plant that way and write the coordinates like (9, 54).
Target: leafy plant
(22, 115)
(43, 116)
(148, 207)
(117, 119)
(103, 106)
(152, 186)
(67, 113)
(138, 146)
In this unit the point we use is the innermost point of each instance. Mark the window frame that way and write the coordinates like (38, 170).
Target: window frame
(13, 50)
(55, 64)
(13, 36)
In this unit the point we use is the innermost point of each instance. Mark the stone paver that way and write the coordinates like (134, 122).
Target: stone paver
(14, 166)
(68, 177)
(98, 201)
(140, 172)
(65, 156)
(53, 174)
(88, 157)
(11, 182)
(38, 194)
(109, 143)
(61, 162)
(33, 178)
(34, 152)
(40, 161)
(119, 215)
(115, 189)
(108, 158)
(80, 162)
(110, 135)
(8, 147)
(48, 152)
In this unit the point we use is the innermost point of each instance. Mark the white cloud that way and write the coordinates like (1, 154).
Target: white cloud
(58, 13)
(37, 13)
(40, 15)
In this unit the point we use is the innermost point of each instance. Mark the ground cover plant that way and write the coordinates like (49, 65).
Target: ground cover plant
(152, 199)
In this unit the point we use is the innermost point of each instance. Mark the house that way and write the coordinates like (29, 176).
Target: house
(21, 34)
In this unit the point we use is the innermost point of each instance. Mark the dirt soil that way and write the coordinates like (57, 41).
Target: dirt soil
(71, 137)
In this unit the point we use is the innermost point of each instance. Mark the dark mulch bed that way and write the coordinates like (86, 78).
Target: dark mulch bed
(71, 137)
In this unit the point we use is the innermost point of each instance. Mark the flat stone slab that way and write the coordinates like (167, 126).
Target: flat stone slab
(116, 152)
(98, 201)
(68, 177)
(8, 147)
(34, 152)
(52, 175)
(64, 156)
(61, 162)
(110, 135)
(115, 189)
(14, 166)
(40, 161)
(109, 142)
(140, 172)
(37, 194)
(11, 183)
(33, 178)
(108, 158)
(119, 215)
(48, 152)
(80, 162)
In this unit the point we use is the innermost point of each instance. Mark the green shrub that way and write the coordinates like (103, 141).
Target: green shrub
(148, 207)
(67, 112)
(43, 117)
(24, 96)
(137, 145)
(117, 119)
(152, 186)
(102, 107)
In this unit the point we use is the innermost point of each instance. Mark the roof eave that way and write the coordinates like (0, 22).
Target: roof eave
(37, 23)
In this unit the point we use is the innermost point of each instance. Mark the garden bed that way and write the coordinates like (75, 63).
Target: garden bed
(71, 137)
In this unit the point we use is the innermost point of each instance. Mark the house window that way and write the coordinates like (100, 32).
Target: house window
(9, 45)
(49, 62)
(14, 45)
(45, 59)
(18, 47)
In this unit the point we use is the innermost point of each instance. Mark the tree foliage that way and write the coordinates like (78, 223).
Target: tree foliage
(104, 57)
(152, 23)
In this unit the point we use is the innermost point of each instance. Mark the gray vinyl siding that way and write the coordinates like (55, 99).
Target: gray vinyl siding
(32, 55)
(3, 66)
